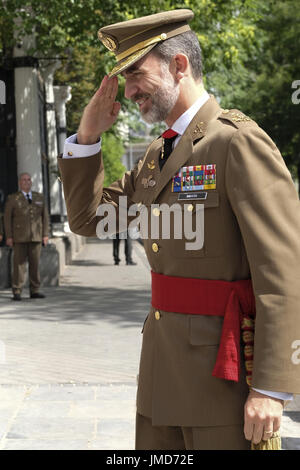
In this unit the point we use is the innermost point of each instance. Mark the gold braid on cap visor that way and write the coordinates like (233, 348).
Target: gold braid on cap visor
(129, 60)
(141, 45)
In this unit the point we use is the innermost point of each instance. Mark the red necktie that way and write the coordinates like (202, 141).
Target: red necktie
(169, 133)
(169, 136)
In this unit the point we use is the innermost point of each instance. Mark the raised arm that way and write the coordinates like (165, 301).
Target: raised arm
(83, 177)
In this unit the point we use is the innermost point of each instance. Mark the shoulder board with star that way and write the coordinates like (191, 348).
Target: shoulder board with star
(236, 117)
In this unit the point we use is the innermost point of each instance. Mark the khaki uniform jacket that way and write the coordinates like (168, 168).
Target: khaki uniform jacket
(251, 229)
(26, 222)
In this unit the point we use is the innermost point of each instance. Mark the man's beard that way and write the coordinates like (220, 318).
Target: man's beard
(163, 100)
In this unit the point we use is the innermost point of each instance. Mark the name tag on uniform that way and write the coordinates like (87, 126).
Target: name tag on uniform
(195, 178)
(193, 196)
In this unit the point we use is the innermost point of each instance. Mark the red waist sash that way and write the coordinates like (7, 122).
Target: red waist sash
(232, 300)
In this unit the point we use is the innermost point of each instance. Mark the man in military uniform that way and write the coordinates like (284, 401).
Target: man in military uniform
(192, 391)
(26, 228)
(127, 249)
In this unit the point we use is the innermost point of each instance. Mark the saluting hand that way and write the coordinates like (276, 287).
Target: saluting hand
(101, 112)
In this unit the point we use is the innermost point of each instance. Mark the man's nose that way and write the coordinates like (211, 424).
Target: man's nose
(130, 89)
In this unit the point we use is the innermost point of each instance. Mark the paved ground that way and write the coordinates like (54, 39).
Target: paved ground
(68, 363)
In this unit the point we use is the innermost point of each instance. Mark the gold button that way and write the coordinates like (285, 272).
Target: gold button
(190, 207)
(70, 154)
(156, 211)
(155, 247)
(157, 315)
(163, 36)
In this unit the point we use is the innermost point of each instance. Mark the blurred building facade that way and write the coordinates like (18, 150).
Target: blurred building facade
(32, 133)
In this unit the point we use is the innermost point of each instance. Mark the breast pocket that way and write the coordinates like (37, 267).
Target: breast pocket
(21, 210)
(202, 228)
(18, 228)
(37, 208)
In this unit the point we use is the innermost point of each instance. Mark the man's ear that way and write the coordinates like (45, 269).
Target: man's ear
(181, 65)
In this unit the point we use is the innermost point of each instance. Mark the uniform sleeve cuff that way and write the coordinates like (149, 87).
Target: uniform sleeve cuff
(279, 395)
(74, 150)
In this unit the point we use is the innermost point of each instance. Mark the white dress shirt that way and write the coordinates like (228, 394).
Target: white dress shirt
(25, 194)
(74, 150)
(185, 119)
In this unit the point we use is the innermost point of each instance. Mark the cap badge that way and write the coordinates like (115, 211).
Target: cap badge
(110, 43)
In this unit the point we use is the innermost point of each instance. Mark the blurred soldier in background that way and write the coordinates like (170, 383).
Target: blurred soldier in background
(127, 249)
(26, 224)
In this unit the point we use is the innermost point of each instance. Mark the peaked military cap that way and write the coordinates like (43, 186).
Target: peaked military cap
(131, 40)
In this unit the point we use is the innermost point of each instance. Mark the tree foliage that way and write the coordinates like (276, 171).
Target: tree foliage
(250, 52)
(267, 91)
(226, 30)
(112, 150)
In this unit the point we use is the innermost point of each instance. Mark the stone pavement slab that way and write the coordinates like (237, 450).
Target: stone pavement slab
(69, 363)
(87, 330)
(58, 417)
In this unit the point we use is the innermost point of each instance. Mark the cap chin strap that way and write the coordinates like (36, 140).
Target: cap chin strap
(129, 60)
(141, 45)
